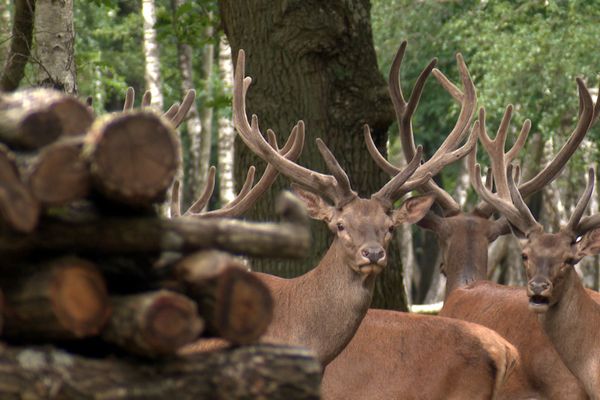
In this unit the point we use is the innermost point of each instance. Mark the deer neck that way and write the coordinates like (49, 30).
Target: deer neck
(323, 308)
(465, 252)
(572, 326)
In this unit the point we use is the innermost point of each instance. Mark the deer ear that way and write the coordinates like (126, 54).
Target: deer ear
(589, 245)
(316, 207)
(413, 209)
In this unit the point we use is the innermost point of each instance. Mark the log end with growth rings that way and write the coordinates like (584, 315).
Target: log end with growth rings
(80, 298)
(134, 156)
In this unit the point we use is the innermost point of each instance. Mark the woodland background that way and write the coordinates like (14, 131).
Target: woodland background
(325, 62)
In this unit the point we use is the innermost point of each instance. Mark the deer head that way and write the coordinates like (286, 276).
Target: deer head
(362, 227)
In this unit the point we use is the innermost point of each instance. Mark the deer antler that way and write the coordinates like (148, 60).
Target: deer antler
(248, 194)
(176, 113)
(588, 116)
(448, 151)
(336, 186)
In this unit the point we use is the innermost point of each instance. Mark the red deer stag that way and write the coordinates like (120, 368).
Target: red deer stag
(569, 314)
(322, 308)
(541, 362)
(464, 237)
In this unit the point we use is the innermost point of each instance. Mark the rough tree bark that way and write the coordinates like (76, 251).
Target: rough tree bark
(55, 45)
(315, 61)
(20, 45)
(226, 133)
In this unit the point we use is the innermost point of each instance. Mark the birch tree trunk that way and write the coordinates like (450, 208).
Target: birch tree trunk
(226, 132)
(193, 184)
(151, 55)
(54, 38)
(206, 114)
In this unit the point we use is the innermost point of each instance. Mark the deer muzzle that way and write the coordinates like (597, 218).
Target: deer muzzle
(539, 291)
(373, 259)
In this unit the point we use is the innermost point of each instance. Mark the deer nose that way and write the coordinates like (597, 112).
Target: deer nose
(538, 287)
(373, 253)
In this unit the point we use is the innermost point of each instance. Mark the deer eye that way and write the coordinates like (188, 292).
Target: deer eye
(340, 226)
(524, 257)
(391, 229)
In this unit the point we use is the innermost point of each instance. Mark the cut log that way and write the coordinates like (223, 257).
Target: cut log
(235, 304)
(154, 235)
(133, 156)
(58, 174)
(153, 324)
(18, 207)
(63, 299)
(252, 372)
(30, 119)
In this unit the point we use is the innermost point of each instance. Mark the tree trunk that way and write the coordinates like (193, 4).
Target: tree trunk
(20, 44)
(226, 133)
(193, 186)
(55, 45)
(206, 114)
(5, 24)
(151, 55)
(315, 61)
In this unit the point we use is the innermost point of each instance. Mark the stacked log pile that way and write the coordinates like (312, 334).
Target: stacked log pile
(100, 293)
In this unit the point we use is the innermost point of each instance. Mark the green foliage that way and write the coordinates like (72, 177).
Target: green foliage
(525, 53)
(109, 50)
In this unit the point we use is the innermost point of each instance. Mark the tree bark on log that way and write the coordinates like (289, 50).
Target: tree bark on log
(19, 209)
(58, 174)
(121, 236)
(63, 299)
(235, 304)
(250, 372)
(153, 324)
(133, 157)
(30, 119)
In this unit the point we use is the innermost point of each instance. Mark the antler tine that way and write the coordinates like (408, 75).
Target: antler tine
(553, 168)
(251, 135)
(170, 113)
(573, 223)
(526, 217)
(500, 159)
(175, 203)
(209, 188)
(495, 149)
(519, 143)
(243, 201)
(468, 105)
(129, 97)
(184, 107)
(504, 206)
(396, 187)
(147, 99)
(347, 194)
(379, 159)
(405, 110)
